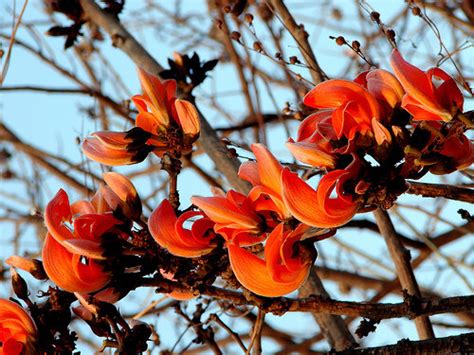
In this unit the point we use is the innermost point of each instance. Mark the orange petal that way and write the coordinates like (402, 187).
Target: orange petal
(57, 212)
(249, 171)
(162, 226)
(82, 207)
(95, 150)
(11, 311)
(188, 117)
(59, 266)
(19, 262)
(121, 186)
(93, 226)
(385, 86)
(222, 211)
(155, 91)
(309, 153)
(310, 125)
(252, 273)
(340, 208)
(418, 85)
(302, 201)
(269, 168)
(334, 93)
(87, 248)
(381, 133)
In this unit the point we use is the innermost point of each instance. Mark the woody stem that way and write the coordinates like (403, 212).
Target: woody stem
(172, 166)
(401, 258)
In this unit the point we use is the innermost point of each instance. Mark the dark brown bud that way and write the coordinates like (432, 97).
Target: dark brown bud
(19, 285)
(416, 11)
(235, 36)
(2, 52)
(258, 46)
(248, 18)
(375, 16)
(356, 45)
(232, 153)
(340, 41)
(278, 56)
(294, 60)
(38, 270)
(390, 35)
(227, 9)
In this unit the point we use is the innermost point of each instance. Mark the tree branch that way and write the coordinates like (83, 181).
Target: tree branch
(441, 190)
(401, 259)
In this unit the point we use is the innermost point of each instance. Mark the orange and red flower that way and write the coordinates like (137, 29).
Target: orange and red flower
(316, 207)
(70, 256)
(235, 217)
(163, 123)
(313, 141)
(424, 99)
(18, 331)
(283, 269)
(264, 175)
(169, 232)
(355, 109)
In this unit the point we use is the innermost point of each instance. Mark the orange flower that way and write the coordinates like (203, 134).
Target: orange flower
(69, 256)
(158, 107)
(282, 271)
(355, 109)
(169, 233)
(318, 208)
(264, 175)
(235, 217)
(383, 85)
(18, 332)
(164, 123)
(119, 148)
(424, 99)
(312, 144)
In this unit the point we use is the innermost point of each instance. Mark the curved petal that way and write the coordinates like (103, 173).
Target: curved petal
(121, 186)
(155, 91)
(309, 153)
(385, 86)
(252, 273)
(9, 310)
(221, 210)
(269, 168)
(249, 171)
(381, 133)
(93, 226)
(334, 93)
(58, 264)
(310, 125)
(57, 212)
(418, 85)
(303, 203)
(340, 208)
(87, 248)
(95, 150)
(188, 117)
(162, 226)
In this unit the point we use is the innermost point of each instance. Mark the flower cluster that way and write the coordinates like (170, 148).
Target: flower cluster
(365, 138)
(164, 124)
